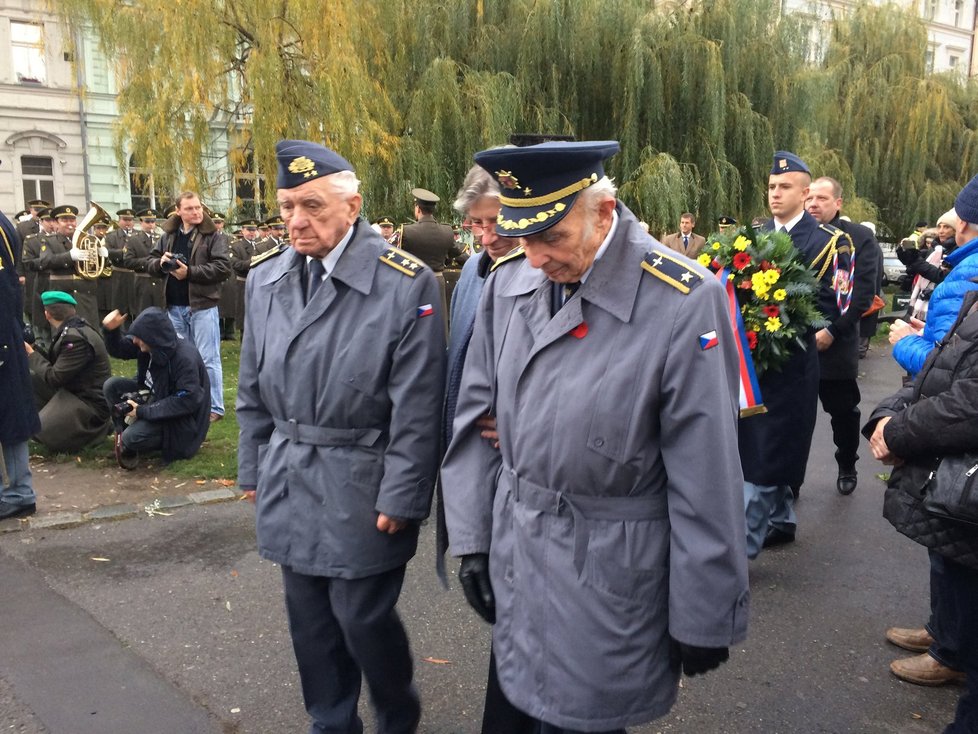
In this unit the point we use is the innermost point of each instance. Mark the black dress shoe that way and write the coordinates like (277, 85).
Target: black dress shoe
(8, 510)
(776, 537)
(846, 483)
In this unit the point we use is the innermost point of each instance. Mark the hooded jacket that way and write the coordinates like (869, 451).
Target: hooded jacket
(176, 377)
(209, 263)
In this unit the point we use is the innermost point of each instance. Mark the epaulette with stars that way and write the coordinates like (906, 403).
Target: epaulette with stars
(509, 257)
(672, 271)
(268, 255)
(402, 261)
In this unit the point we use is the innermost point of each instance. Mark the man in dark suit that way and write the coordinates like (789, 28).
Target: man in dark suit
(774, 446)
(838, 342)
(685, 242)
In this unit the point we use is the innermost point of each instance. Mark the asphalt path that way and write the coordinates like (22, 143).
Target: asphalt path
(175, 625)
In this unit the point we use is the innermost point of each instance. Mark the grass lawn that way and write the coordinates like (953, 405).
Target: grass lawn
(217, 458)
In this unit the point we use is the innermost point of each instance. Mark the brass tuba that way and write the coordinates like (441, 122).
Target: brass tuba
(94, 265)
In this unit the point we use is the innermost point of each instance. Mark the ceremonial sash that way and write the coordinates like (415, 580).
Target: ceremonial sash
(750, 391)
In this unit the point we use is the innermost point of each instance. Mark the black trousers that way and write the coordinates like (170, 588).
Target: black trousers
(502, 717)
(840, 399)
(342, 628)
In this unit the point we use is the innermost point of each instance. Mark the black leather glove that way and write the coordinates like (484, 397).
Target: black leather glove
(698, 660)
(473, 574)
(908, 255)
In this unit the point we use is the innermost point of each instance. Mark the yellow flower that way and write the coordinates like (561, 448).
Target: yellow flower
(716, 245)
(771, 276)
(741, 243)
(772, 324)
(759, 284)
(780, 294)
(704, 260)
(730, 277)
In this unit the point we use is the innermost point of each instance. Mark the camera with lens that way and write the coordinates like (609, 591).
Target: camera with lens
(123, 407)
(173, 263)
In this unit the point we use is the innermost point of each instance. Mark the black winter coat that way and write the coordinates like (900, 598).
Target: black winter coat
(935, 416)
(18, 416)
(209, 262)
(177, 378)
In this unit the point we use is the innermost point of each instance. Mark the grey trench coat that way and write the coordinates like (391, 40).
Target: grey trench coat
(339, 404)
(613, 510)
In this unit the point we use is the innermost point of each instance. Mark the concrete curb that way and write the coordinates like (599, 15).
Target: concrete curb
(161, 506)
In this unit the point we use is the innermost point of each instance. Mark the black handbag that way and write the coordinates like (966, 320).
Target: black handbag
(951, 489)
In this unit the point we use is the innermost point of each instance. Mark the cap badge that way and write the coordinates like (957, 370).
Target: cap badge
(507, 179)
(304, 166)
(782, 163)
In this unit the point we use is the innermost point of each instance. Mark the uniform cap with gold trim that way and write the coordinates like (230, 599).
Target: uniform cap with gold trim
(385, 222)
(65, 210)
(218, 217)
(148, 214)
(125, 213)
(726, 221)
(300, 161)
(424, 196)
(274, 221)
(541, 182)
(37, 203)
(787, 162)
(45, 213)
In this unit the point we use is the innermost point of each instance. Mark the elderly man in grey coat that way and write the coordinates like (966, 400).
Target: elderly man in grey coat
(339, 403)
(605, 536)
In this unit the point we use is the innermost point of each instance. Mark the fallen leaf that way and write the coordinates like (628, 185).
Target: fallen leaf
(437, 661)
(234, 573)
(227, 605)
(916, 716)
(201, 481)
(235, 711)
(99, 558)
(226, 482)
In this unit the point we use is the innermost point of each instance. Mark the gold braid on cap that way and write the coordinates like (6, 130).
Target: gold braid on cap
(541, 200)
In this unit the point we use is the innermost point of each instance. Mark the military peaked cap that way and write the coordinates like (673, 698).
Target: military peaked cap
(300, 161)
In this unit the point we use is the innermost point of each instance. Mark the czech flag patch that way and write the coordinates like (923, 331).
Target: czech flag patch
(708, 340)
(425, 310)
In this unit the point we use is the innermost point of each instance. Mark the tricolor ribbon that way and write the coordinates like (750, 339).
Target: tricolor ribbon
(843, 291)
(750, 391)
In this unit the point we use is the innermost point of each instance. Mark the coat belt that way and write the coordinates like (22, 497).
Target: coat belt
(325, 435)
(584, 507)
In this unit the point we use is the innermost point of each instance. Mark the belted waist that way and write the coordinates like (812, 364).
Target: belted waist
(584, 507)
(325, 435)
(240, 279)
(64, 276)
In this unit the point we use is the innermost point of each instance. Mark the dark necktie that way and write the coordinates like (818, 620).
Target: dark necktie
(686, 241)
(316, 273)
(782, 228)
(560, 293)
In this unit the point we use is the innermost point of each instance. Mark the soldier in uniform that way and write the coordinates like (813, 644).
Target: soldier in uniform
(123, 279)
(68, 381)
(103, 285)
(726, 223)
(277, 234)
(241, 252)
(386, 225)
(630, 561)
(147, 289)
(219, 220)
(32, 225)
(774, 446)
(59, 259)
(430, 241)
(343, 452)
(228, 303)
(30, 264)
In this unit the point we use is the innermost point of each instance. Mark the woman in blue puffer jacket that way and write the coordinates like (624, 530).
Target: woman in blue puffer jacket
(910, 345)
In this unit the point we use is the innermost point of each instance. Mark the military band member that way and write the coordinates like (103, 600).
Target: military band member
(147, 289)
(241, 252)
(68, 381)
(606, 551)
(726, 224)
(123, 280)
(277, 233)
(386, 225)
(30, 265)
(103, 285)
(60, 260)
(33, 224)
(339, 402)
(219, 220)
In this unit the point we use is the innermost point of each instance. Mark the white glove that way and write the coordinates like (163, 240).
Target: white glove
(103, 251)
(78, 255)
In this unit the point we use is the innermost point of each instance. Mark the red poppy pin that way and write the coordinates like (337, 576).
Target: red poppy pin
(579, 331)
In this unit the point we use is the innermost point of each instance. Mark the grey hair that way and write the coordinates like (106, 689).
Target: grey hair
(594, 194)
(477, 184)
(344, 183)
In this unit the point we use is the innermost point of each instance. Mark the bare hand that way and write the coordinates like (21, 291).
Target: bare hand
(877, 443)
(28, 348)
(823, 339)
(135, 406)
(488, 425)
(113, 319)
(249, 495)
(901, 329)
(181, 272)
(390, 525)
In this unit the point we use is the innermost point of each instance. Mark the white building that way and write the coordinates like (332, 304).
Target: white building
(950, 28)
(57, 144)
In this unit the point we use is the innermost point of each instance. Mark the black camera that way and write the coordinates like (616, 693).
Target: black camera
(123, 407)
(173, 263)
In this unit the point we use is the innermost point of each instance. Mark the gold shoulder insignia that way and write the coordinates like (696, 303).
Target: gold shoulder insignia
(267, 255)
(511, 255)
(671, 270)
(835, 245)
(403, 261)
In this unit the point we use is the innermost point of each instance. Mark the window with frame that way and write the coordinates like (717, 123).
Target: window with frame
(249, 189)
(37, 173)
(27, 47)
(932, 9)
(142, 188)
(958, 12)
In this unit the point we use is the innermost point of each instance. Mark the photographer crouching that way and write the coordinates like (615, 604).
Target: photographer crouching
(167, 407)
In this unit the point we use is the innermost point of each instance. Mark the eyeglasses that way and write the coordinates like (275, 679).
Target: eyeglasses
(487, 226)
